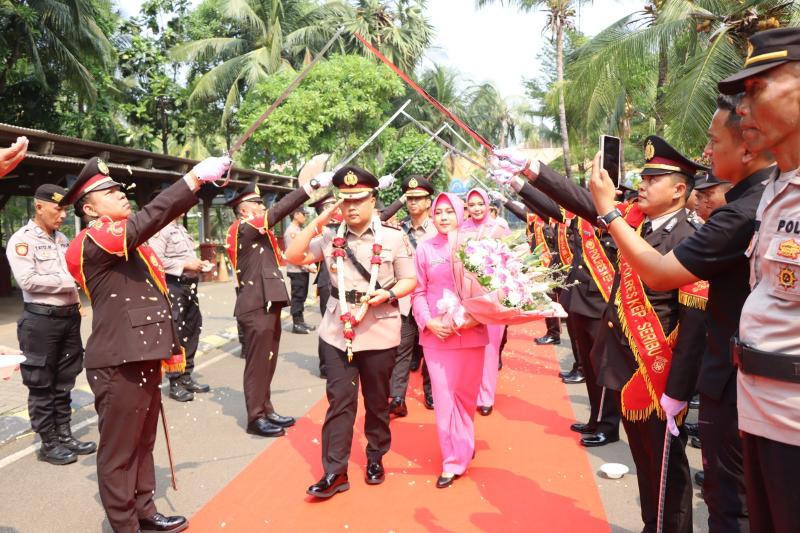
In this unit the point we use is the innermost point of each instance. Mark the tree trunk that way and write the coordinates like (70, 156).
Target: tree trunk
(562, 108)
(663, 70)
(164, 129)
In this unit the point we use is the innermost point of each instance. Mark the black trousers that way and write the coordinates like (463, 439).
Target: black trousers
(298, 283)
(409, 347)
(553, 324)
(188, 320)
(723, 464)
(576, 365)
(54, 358)
(261, 332)
(127, 401)
(771, 471)
(646, 440)
(373, 369)
(604, 411)
(324, 293)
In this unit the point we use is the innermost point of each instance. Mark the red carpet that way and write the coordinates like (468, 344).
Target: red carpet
(529, 473)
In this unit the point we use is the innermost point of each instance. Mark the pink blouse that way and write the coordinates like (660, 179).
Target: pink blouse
(434, 275)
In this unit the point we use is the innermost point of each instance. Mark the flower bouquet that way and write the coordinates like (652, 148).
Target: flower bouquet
(501, 282)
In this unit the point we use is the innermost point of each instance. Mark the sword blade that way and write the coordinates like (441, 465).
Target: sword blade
(418, 150)
(662, 489)
(373, 136)
(169, 448)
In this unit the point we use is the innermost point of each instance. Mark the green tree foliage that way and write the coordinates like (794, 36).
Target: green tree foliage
(427, 163)
(340, 103)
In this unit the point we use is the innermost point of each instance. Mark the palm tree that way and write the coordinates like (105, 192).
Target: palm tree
(559, 15)
(490, 114)
(689, 46)
(53, 40)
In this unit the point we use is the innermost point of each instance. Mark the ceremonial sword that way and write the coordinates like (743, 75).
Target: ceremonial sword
(373, 136)
(662, 487)
(169, 447)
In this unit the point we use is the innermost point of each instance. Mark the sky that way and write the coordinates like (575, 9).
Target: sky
(497, 43)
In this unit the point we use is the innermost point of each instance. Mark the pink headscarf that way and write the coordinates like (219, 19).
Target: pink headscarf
(455, 201)
(485, 196)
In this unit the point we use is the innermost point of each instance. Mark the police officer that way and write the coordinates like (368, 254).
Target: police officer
(49, 331)
(261, 293)
(767, 351)
(371, 267)
(661, 217)
(416, 195)
(298, 277)
(175, 247)
(132, 332)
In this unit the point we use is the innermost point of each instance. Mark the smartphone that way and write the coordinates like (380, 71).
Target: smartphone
(611, 158)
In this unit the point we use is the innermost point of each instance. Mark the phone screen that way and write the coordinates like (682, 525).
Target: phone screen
(610, 148)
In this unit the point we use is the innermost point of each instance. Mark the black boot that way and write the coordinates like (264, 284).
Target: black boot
(298, 328)
(178, 393)
(71, 443)
(52, 451)
(187, 382)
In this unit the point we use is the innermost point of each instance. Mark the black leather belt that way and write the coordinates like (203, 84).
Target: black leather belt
(780, 366)
(182, 279)
(353, 296)
(59, 311)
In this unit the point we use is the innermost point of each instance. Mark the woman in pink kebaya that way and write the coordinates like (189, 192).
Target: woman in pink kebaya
(481, 224)
(454, 342)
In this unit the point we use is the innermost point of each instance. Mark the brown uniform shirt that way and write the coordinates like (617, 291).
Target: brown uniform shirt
(380, 328)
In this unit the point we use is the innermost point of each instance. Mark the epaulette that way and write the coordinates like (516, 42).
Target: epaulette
(387, 225)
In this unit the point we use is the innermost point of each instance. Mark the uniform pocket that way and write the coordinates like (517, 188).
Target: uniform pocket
(781, 271)
(31, 343)
(144, 316)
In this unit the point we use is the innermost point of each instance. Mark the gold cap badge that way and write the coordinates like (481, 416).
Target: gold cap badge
(57, 197)
(749, 51)
(413, 184)
(649, 151)
(102, 167)
(350, 179)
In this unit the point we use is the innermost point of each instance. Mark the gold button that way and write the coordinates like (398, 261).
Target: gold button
(610, 325)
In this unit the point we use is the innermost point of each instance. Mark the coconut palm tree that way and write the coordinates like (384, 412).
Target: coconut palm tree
(559, 18)
(53, 40)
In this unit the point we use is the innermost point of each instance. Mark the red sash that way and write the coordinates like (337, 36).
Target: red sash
(564, 251)
(539, 240)
(232, 242)
(694, 295)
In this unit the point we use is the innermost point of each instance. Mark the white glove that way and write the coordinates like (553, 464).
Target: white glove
(497, 195)
(386, 181)
(509, 159)
(501, 177)
(672, 408)
(212, 168)
(324, 178)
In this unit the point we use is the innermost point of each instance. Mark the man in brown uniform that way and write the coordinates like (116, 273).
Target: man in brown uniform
(261, 293)
(132, 332)
(361, 325)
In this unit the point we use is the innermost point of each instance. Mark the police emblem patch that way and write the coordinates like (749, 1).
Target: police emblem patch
(57, 197)
(659, 365)
(413, 184)
(102, 167)
(787, 278)
(789, 249)
(350, 179)
(649, 151)
(21, 248)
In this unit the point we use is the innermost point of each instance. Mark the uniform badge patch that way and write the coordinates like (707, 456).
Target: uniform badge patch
(21, 248)
(787, 278)
(789, 249)
(350, 179)
(102, 167)
(649, 151)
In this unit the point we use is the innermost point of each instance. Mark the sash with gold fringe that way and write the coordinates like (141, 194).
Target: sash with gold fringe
(564, 251)
(539, 240)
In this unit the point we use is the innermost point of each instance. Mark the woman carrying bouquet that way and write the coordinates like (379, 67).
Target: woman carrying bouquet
(480, 224)
(453, 341)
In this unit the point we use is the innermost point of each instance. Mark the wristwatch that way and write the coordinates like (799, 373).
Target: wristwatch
(605, 220)
(392, 296)
(314, 183)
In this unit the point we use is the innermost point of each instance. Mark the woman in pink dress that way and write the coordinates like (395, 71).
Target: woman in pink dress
(481, 224)
(454, 348)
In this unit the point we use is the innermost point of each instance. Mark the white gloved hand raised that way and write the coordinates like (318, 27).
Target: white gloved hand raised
(497, 195)
(672, 408)
(324, 178)
(509, 159)
(212, 168)
(500, 176)
(386, 181)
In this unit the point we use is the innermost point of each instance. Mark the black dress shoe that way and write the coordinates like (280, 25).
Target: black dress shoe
(375, 474)
(178, 393)
(397, 407)
(446, 481)
(586, 429)
(415, 362)
(429, 402)
(264, 428)
(598, 439)
(281, 421)
(299, 329)
(574, 379)
(188, 383)
(52, 451)
(699, 478)
(159, 522)
(323, 372)
(563, 374)
(329, 485)
(485, 410)
(308, 326)
(694, 403)
(694, 442)
(693, 430)
(74, 445)
(547, 339)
